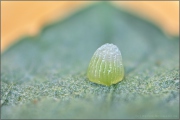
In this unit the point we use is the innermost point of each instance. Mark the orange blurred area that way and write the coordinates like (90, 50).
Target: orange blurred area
(163, 13)
(19, 18)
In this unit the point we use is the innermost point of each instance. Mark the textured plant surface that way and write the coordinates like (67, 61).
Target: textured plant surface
(45, 76)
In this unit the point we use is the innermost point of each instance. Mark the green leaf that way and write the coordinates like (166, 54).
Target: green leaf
(45, 76)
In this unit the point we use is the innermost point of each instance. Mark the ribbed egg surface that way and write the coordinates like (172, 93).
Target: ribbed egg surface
(106, 66)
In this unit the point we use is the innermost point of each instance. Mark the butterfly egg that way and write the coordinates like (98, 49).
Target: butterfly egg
(106, 65)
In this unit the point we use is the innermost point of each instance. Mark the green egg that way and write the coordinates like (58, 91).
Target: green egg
(106, 65)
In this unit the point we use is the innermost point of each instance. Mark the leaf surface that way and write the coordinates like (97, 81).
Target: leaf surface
(45, 76)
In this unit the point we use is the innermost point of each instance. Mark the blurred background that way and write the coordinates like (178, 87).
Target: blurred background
(20, 18)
